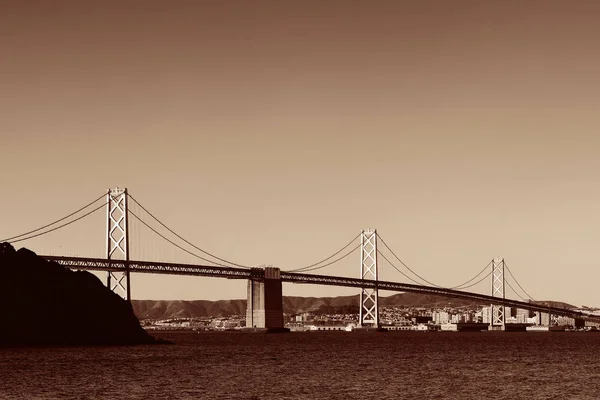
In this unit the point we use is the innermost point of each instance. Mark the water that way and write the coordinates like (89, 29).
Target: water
(315, 365)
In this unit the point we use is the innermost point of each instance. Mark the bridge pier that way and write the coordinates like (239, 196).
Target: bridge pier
(264, 309)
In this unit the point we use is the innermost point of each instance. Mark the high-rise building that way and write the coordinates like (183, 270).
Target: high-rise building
(440, 317)
(544, 319)
(485, 315)
(522, 315)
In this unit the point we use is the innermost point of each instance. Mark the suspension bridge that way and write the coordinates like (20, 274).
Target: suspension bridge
(264, 289)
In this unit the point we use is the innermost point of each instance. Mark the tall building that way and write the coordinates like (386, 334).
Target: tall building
(544, 319)
(522, 316)
(485, 315)
(440, 317)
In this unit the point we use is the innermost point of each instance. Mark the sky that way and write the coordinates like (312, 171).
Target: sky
(271, 132)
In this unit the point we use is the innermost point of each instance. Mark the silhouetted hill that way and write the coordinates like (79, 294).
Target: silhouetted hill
(164, 309)
(51, 305)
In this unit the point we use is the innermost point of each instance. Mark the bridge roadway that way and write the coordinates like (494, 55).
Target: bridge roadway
(101, 264)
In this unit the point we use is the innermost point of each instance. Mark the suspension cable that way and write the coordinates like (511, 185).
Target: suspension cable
(406, 266)
(328, 264)
(461, 286)
(517, 282)
(473, 278)
(53, 223)
(309, 267)
(60, 226)
(175, 244)
(514, 291)
(473, 284)
(398, 269)
(176, 234)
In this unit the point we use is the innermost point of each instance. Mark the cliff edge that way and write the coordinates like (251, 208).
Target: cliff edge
(47, 304)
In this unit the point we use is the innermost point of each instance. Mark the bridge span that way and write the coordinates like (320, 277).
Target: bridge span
(150, 267)
(264, 290)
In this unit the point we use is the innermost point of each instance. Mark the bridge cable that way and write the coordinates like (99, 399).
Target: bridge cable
(328, 258)
(406, 266)
(517, 282)
(53, 223)
(473, 284)
(60, 226)
(425, 280)
(398, 269)
(191, 244)
(473, 278)
(329, 263)
(175, 244)
(514, 291)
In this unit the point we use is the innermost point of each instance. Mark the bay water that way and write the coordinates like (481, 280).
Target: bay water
(314, 365)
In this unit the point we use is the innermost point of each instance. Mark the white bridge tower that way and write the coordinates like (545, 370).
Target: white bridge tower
(497, 311)
(117, 240)
(369, 308)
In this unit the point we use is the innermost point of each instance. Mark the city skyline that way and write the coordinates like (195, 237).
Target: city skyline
(273, 133)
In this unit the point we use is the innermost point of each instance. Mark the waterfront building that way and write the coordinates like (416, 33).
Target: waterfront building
(440, 317)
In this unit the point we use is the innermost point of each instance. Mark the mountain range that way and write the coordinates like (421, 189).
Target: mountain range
(165, 309)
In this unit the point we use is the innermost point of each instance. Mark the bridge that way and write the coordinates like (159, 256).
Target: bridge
(264, 289)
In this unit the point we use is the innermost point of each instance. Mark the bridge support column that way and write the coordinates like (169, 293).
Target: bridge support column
(117, 240)
(369, 298)
(498, 317)
(264, 303)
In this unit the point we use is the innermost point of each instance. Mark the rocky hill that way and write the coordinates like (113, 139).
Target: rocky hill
(46, 304)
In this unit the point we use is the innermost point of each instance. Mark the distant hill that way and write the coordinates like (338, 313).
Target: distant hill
(557, 304)
(164, 309)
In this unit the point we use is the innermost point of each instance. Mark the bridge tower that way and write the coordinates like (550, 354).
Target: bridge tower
(369, 310)
(117, 240)
(497, 311)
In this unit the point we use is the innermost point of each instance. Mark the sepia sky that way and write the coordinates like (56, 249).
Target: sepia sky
(272, 132)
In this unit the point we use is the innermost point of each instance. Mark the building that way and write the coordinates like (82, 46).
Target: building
(440, 317)
(449, 327)
(484, 315)
(543, 319)
(522, 316)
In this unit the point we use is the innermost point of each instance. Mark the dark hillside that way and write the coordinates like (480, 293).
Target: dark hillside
(47, 304)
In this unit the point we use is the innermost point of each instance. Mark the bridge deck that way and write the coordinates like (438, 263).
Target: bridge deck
(99, 264)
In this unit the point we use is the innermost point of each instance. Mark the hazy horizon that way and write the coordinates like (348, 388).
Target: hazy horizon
(273, 132)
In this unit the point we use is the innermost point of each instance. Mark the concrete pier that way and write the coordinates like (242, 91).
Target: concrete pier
(264, 308)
